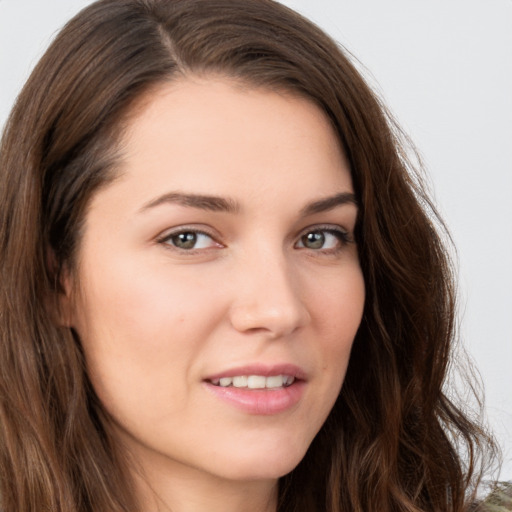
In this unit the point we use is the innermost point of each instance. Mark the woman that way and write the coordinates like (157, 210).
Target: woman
(222, 286)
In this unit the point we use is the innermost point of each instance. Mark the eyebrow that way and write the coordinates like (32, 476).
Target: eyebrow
(328, 203)
(228, 205)
(202, 202)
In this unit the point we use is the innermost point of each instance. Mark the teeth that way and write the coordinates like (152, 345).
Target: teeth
(240, 382)
(276, 381)
(255, 381)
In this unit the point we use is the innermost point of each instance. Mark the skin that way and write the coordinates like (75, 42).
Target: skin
(156, 320)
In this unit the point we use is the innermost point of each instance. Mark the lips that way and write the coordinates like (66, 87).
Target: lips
(259, 389)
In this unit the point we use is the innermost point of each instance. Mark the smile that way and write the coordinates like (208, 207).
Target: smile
(255, 381)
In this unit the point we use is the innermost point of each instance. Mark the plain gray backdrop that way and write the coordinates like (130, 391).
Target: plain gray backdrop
(445, 70)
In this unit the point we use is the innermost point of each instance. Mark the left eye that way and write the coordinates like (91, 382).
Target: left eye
(189, 240)
(322, 239)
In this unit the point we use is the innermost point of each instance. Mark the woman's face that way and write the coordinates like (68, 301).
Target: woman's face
(218, 289)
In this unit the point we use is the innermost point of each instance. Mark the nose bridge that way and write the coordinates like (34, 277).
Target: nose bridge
(267, 295)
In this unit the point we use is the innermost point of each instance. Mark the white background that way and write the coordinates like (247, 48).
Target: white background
(444, 68)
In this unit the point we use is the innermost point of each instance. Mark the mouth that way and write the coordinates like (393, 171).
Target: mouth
(259, 389)
(254, 381)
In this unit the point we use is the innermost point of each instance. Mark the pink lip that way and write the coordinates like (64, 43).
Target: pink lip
(260, 401)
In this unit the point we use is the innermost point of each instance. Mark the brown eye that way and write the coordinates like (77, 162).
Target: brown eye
(189, 240)
(184, 240)
(314, 240)
(323, 239)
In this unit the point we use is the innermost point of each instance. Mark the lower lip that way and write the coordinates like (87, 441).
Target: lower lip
(260, 401)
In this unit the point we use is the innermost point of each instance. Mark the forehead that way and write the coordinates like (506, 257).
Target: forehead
(217, 136)
(197, 102)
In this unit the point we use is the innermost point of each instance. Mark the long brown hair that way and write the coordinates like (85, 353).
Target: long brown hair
(393, 440)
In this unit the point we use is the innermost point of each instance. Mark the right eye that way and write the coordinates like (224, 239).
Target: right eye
(188, 240)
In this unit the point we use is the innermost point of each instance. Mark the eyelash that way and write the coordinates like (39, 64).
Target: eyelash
(343, 237)
(167, 239)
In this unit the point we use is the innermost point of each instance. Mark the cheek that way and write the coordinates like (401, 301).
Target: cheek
(140, 299)
(140, 332)
(337, 304)
(337, 310)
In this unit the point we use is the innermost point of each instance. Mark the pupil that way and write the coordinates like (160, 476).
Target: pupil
(314, 240)
(185, 240)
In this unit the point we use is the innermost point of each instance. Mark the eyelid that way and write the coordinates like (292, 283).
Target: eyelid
(200, 230)
(331, 228)
(345, 235)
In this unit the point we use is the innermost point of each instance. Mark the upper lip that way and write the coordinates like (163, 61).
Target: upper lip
(264, 370)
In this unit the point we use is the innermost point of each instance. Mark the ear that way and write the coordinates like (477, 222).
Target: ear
(59, 299)
(65, 299)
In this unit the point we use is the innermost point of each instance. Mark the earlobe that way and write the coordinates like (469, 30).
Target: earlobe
(65, 302)
(59, 303)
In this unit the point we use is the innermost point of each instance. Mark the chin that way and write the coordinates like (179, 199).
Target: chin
(261, 463)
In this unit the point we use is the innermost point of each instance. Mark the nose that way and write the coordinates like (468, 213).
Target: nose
(267, 298)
